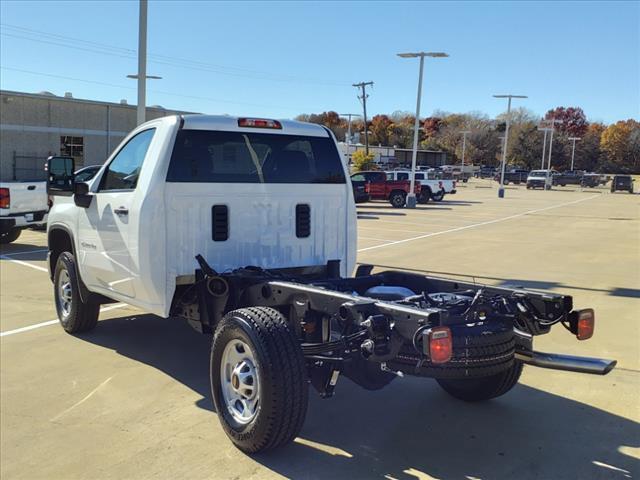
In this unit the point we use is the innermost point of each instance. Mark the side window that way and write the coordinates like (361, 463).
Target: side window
(358, 178)
(123, 171)
(403, 176)
(390, 177)
(419, 176)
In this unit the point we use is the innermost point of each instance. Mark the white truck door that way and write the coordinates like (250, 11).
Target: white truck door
(105, 244)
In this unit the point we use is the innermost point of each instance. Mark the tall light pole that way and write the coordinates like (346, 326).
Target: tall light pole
(363, 97)
(464, 147)
(506, 137)
(411, 197)
(349, 115)
(553, 128)
(142, 64)
(573, 150)
(544, 144)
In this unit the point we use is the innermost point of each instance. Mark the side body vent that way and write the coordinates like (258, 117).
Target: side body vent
(303, 220)
(220, 223)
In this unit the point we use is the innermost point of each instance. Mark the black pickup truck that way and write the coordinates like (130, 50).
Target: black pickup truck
(514, 175)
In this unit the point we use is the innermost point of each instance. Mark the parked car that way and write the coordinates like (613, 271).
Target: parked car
(513, 175)
(486, 172)
(570, 177)
(431, 187)
(360, 189)
(622, 182)
(22, 205)
(540, 179)
(591, 180)
(245, 229)
(383, 187)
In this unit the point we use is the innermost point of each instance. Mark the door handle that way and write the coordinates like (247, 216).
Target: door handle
(121, 211)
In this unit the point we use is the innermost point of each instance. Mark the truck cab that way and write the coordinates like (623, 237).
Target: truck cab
(239, 191)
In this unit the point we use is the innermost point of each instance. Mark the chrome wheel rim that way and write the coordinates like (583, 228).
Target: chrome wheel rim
(239, 379)
(65, 298)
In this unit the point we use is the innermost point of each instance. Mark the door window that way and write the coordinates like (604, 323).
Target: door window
(123, 171)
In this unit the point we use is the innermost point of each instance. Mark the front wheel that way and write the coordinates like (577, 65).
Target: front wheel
(75, 315)
(258, 379)
(10, 235)
(397, 199)
(483, 388)
(437, 197)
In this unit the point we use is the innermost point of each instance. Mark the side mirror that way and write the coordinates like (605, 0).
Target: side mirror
(81, 188)
(60, 176)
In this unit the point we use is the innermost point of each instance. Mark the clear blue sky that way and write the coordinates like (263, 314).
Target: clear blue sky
(278, 59)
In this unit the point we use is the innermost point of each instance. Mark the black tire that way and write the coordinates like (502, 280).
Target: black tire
(80, 316)
(280, 374)
(437, 197)
(425, 195)
(10, 236)
(398, 199)
(483, 388)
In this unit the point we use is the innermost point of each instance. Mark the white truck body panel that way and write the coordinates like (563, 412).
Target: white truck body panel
(27, 202)
(435, 185)
(137, 258)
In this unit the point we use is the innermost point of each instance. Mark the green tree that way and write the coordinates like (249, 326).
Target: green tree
(362, 162)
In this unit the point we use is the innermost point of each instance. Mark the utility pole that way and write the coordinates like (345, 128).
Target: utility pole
(506, 138)
(464, 146)
(573, 150)
(349, 115)
(142, 64)
(363, 97)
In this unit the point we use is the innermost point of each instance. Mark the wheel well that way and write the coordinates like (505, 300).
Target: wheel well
(393, 192)
(59, 241)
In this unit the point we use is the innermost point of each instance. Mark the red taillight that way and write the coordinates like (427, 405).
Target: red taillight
(440, 345)
(586, 323)
(50, 201)
(367, 188)
(5, 198)
(259, 123)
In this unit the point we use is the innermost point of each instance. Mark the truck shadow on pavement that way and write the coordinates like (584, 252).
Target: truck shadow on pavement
(411, 429)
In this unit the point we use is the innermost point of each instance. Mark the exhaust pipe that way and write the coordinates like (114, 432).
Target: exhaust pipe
(569, 363)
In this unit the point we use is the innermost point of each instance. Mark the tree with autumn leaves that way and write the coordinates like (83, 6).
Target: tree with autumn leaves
(613, 148)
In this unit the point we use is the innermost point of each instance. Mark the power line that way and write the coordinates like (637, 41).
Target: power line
(172, 94)
(105, 49)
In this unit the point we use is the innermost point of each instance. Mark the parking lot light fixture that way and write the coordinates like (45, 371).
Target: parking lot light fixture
(553, 128)
(411, 197)
(544, 144)
(573, 149)
(506, 137)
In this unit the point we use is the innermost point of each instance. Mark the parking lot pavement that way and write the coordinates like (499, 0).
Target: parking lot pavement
(131, 399)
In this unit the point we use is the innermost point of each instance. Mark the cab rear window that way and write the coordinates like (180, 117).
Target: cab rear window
(241, 157)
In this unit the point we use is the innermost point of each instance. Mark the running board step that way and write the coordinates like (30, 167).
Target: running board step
(569, 363)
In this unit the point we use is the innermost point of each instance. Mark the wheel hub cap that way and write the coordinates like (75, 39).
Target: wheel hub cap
(64, 293)
(239, 379)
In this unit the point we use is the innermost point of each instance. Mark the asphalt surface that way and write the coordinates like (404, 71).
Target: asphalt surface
(131, 399)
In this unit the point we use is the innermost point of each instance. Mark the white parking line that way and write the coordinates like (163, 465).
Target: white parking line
(52, 322)
(25, 264)
(489, 222)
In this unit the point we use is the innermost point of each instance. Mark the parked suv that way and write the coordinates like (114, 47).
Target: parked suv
(622, 182)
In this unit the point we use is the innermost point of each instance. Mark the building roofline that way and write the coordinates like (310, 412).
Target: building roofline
(81, 100)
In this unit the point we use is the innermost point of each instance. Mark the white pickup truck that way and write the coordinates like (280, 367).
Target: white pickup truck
(246, 229)
(432, 188)
(22, 205)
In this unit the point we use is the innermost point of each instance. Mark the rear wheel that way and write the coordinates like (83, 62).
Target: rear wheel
(425, 195)
(397, 199)
(10, 235)
(483, 388)
(437, 197)
(258, 379)
(75, 315)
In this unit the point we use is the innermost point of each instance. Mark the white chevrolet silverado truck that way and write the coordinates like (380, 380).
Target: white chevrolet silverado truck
(246, 229)
(22, 205)
(431, 188)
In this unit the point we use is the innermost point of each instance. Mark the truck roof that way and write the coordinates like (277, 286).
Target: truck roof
(229, 123)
